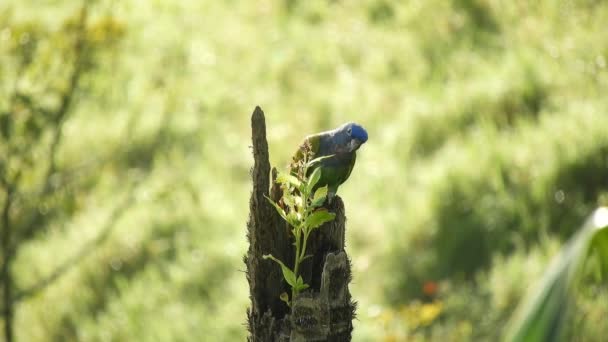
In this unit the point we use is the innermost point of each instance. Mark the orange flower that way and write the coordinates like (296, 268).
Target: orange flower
(430, 288)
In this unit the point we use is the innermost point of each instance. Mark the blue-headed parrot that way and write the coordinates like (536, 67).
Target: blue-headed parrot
(341, 144)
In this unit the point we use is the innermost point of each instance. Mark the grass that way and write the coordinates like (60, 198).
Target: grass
(487, 150)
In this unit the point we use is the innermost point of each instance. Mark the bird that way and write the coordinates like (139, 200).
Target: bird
(339, 146)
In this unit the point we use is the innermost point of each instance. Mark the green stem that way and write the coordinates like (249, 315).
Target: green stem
(299, 232)
(296, 264)
(303, 251)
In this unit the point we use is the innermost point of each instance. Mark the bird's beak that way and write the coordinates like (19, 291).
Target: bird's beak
(354, 145)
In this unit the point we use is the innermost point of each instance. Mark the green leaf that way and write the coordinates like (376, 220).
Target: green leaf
(298, 202)
(320, 196)
(288, 199)
(288, 274)
(293, 219)
(286, 178)
(600, 245)
(318, 217)
(318, 160)
(285, 298)
(300, 285)
(306, 257)
(541, 314)
(313, 180)
(279, 209)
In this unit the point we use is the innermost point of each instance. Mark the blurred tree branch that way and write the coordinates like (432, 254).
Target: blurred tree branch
(60, 116)
(62, 112)
(82, 253)
(10, 238)
(29, 128)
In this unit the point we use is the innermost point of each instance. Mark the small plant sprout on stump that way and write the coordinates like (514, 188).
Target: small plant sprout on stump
(297, 269)
(302, 210)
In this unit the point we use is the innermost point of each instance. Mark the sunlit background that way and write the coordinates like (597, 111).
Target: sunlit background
(125, 148)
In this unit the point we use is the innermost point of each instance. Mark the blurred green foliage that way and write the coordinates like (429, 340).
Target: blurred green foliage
(487, 149)
(542, 314)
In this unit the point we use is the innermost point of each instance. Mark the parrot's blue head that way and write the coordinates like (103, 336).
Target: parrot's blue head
(351, 136)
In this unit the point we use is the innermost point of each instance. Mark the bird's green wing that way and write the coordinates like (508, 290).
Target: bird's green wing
(350, 168)
(336, 175)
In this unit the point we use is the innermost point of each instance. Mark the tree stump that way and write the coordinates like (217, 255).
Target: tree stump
(325, 311)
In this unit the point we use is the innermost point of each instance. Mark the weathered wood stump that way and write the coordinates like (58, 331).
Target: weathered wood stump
(325, 311)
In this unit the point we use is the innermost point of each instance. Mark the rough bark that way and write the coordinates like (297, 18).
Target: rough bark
(325, 311)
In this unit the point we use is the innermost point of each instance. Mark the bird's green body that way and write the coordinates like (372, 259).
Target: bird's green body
(341, 144)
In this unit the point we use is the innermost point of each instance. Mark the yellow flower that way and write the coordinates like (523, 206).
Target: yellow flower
(430, 311)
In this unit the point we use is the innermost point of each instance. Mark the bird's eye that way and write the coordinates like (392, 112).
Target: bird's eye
(349, 131)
